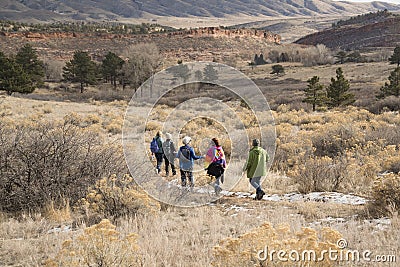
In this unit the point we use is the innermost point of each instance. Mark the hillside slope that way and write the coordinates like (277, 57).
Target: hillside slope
(359, 33)
(48, 10)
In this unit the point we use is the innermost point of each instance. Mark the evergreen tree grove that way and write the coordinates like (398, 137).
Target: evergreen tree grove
(13, 77)
(111, 66)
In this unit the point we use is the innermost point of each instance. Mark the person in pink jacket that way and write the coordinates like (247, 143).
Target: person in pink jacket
(215, 163)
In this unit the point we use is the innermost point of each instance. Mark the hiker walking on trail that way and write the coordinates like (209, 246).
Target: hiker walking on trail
(169, 154)
(256, 167)
(186, 158)
(156, 147)
(215, 164)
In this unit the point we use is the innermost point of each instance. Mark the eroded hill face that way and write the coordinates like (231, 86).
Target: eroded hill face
(376, 33)
(204, 44)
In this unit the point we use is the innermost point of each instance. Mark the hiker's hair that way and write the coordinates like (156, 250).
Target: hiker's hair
(159, 134)
(216, 141)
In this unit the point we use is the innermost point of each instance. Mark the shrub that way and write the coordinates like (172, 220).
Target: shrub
(319, 174)
(278, 69)
(244, 250)
(99, 245)
(116, 197)
(386, 194)
(335, 139)
(52, 161)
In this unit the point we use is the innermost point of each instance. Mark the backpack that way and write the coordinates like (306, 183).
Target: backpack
(185, 154)
(218, 156)
(167, 148)
(215, 169)
(154, 146)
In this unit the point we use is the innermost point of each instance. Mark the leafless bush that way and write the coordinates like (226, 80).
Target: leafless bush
(320, 174)
(390, 103)
(309, 56)
(53, 69)
(50, 161)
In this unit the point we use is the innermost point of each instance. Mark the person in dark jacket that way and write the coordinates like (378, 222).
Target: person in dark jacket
(169, 154)
(160, 153)
(186, 158)
(256, 167)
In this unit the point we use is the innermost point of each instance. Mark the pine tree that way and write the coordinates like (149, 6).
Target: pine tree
(28, 59)
(111, 66)
(395, 58)
(13, 78)
(199, 77)
(341, 57)
(277, 69)
(210, 73)
(80, 69)
(393, 87)
(315, 93)
(337, 91)
(180, 71)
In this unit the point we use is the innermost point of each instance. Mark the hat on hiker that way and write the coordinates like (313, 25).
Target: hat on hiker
(186, 140)
(256, 142)
(168, 136)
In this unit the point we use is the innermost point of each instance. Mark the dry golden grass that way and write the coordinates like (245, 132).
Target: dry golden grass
(186, 237)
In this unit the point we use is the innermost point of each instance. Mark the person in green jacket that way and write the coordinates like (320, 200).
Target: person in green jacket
(256, 167)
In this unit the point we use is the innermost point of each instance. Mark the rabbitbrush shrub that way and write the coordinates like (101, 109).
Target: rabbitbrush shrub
(98, 245)
(245, 249)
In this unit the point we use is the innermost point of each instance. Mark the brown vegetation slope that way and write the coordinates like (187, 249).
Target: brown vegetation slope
(381, 33)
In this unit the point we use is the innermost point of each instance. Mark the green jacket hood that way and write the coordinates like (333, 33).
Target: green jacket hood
(256, 163)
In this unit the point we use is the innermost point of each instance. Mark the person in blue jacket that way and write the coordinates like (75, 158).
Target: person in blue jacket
(186, 158)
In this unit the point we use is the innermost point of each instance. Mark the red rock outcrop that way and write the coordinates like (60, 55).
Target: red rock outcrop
(232, 33)
(200, 32)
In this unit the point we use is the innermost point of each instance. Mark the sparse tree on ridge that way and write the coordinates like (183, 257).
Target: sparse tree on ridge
(393, 87)
(80, 69)
(395, 58)
(337, 92)
(315, 93)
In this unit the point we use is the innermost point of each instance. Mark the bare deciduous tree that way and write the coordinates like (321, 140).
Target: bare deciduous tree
(142, 61)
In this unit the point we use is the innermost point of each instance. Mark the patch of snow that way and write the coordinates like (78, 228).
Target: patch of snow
(330, 197)
(237, 208)
(63, 229)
